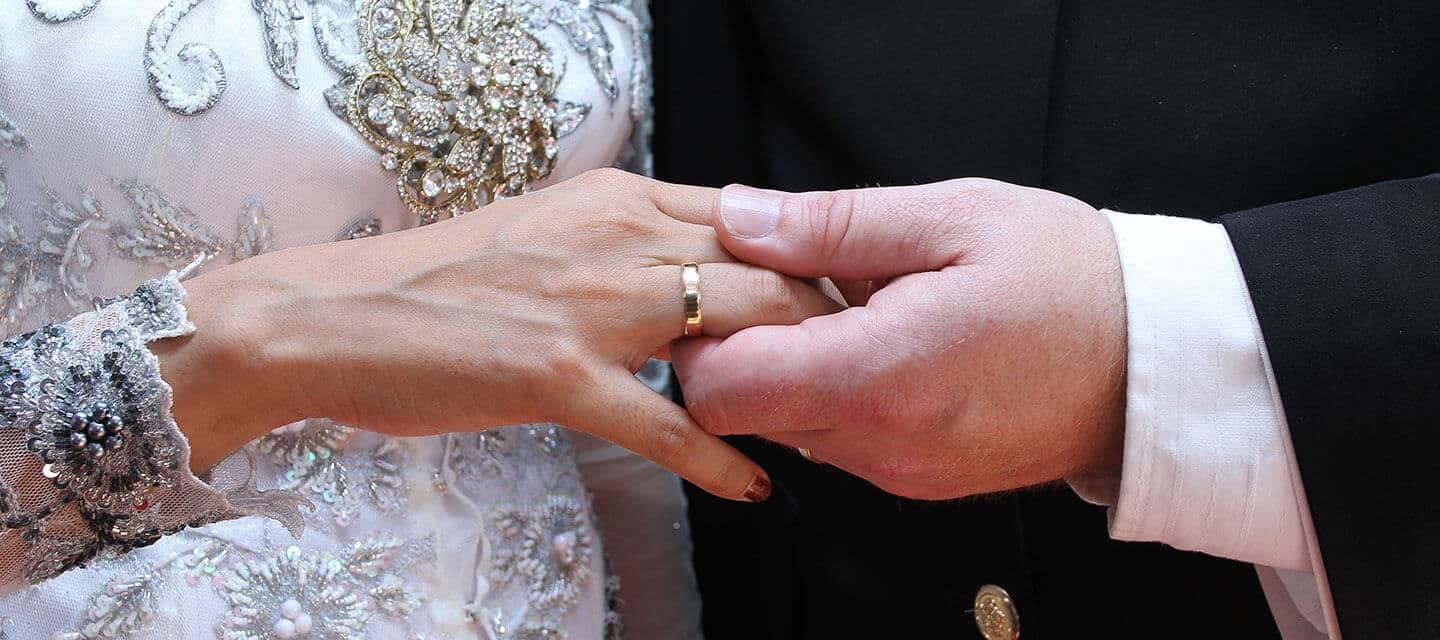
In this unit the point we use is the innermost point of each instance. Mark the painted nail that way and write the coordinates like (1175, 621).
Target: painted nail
(759, 489)
(749, 212)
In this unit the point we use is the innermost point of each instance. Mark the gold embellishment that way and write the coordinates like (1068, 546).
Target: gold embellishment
(458, 96)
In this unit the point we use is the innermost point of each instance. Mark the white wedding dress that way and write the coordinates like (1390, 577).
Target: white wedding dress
(146, 137)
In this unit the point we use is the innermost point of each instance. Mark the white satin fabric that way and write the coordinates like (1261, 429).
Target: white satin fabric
(95, 135)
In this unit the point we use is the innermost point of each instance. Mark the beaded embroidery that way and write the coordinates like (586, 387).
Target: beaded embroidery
(10, 136)
(297, 592)
(88, 401)
(459, 95)
(57, 12)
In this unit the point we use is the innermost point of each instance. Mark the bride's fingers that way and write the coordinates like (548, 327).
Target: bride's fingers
(626, 412)
(683, 202)
(735, 296)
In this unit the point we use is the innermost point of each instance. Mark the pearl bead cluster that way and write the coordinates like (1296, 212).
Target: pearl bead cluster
(96, 431)
(293, 622)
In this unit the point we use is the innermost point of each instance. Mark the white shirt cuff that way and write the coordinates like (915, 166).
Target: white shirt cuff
(1205, 462)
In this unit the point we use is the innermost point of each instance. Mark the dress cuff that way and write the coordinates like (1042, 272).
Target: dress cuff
(93, 462)
(1205, 465)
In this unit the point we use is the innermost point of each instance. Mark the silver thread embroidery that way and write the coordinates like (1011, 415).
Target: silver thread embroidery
(201, 66)
(57, 11)
(163, 233)
(551, 544)
(278, 20)
(10, 135)
(299, 592)
(362, 228)
(335, 32)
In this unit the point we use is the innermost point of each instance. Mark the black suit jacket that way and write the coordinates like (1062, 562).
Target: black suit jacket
(1195, 109)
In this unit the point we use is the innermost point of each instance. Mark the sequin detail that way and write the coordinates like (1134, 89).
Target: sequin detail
(279, 21)
(87, 400)
(318, 460)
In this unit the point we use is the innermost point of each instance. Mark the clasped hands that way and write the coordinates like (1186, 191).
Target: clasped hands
(981, 344)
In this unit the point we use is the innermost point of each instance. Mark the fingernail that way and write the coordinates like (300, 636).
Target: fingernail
(759, 489)
(748, 212)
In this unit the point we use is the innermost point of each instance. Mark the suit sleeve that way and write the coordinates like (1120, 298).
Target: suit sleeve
(1346, 288)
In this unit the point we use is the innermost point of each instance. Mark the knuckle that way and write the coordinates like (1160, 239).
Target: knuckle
(608, 179)
(671, 440)
(979, 196)
(707, 411)
(723, 479)
(772, 295)
(828, 216)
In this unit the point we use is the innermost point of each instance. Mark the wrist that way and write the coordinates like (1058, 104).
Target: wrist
(225, 395)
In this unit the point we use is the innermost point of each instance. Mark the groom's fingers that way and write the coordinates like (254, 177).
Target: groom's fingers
(859, 234)
(767, 379)
(626, 412)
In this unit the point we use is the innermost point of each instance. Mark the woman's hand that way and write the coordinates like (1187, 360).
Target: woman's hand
(533, 309)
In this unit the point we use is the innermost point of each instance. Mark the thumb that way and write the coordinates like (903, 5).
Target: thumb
(857, 234)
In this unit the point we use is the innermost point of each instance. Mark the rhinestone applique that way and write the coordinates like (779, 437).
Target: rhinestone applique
(459, 95)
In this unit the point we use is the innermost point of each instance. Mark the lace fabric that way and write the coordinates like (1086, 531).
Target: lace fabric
(139, 135)
(84, 407)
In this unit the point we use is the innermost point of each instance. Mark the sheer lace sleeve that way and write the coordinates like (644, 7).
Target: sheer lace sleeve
(91, 461)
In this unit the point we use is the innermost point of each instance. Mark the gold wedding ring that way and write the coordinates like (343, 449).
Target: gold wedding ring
(694, 321)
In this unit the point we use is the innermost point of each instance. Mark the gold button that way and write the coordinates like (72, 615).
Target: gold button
(995, 614)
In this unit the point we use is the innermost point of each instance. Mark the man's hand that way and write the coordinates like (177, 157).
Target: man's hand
(985, 351)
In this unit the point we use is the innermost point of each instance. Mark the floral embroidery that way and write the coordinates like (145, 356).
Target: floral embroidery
(551, 547)
(109, 459)
(278, 19)
(298, 592)
(335, 31)
(192, 80)
(313, 457)
(46, 273)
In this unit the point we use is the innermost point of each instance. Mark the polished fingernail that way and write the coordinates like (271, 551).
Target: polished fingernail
(748, 212)
(759, 489)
